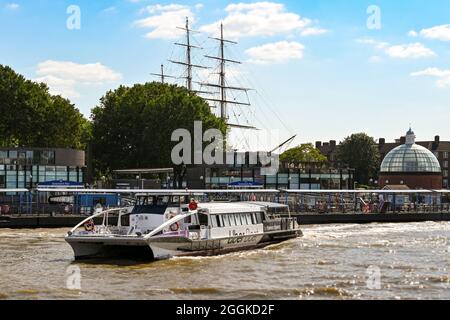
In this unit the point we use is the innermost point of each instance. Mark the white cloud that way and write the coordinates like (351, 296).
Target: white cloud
(373, 43)
(402, 51)
(412, 50)
(313, 32)
(442, 75)
(441, 32)
(164, 20)
(63, 77)
(258, 19)
(12, 6)
(413, 34)
(278, 52)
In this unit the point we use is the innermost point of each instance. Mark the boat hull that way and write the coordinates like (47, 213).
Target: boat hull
(159, 248)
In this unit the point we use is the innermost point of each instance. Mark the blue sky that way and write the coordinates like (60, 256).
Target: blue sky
(319, 71)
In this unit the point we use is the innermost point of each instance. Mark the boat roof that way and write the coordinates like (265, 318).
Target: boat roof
(230, 207)
(269, 205)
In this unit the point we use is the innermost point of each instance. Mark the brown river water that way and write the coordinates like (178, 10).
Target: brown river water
(376, 261)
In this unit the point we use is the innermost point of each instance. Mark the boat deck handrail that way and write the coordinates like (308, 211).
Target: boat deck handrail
(98, 214)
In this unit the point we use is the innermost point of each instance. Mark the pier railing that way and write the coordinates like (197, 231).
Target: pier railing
(299, 201)
(367, 202)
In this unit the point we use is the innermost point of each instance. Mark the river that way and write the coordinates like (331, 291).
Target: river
(375, 261)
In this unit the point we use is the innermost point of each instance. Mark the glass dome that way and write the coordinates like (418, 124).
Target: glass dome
(410, 158)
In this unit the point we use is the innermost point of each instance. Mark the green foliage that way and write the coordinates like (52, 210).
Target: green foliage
(303, 154)
(360, 152)
(132, 126)
(31, 117)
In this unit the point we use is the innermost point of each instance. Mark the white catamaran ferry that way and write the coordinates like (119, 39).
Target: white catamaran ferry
(162, 226)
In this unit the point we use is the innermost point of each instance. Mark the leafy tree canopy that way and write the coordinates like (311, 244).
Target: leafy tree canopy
(305, 153)
(360, 152)
(132, 126)
(31, 117)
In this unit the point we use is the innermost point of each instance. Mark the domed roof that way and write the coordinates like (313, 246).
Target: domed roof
(410, 158)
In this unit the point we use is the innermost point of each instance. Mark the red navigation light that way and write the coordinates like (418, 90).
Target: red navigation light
(193, 205)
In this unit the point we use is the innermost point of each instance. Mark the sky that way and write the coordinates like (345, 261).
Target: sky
(320, 69)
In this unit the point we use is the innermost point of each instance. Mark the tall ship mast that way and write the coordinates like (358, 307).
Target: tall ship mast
(189, 66)
(223, 86)
(217, 93)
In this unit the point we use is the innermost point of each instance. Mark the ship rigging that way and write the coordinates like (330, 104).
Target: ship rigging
(222, 97)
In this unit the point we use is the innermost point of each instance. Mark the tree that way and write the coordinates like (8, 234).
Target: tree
(31, 117)
(305, 154)
(132, 126)
(360, 152)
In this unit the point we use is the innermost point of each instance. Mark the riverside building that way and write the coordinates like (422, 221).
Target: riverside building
(28, 167)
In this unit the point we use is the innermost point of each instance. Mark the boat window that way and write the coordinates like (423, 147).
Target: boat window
(218, 222)
(213, 221)
(254, 218)
(203, 219)
(244, 219)
(259, 217)
(239, 220)
(221, 220)
(163, 201)
(226, 220)
(232, 220)
(188, 220)
(248, 218)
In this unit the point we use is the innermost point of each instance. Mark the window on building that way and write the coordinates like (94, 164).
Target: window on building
(446, 164)
(2, 181)
(3, 156)
(445, 183)
(445, 173)
(29, 155)
(446, 155)
(47, 157)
